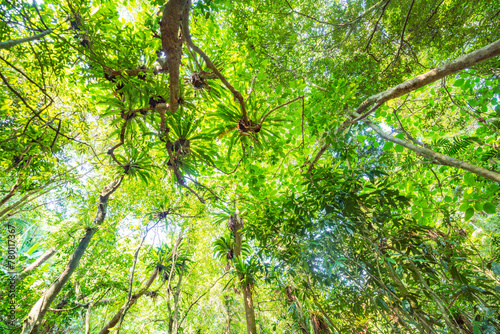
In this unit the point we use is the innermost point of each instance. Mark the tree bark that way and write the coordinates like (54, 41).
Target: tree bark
(246, 289)
(172, 44)
(228, 316)
(34, 319)
(14, 42)
(175, 324)
(249, 309)
(455, 66)
(173, 316)
(87, 318)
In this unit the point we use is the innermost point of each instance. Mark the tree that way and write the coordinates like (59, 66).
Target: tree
(353, 147)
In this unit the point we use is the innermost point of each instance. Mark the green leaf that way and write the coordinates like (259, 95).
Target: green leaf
(495, 267)
(459, 82)
(381, 303)
(406, 305)
(469, 213)
(33, 248)
(489, 208)
(387, 146)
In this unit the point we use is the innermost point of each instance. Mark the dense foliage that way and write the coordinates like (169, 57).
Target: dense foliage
(257, 166)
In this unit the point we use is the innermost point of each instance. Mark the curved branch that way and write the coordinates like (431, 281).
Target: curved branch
(317, 156)
(122, 141)
(276, 108)
(438, 157)
(402, 35)
(131, 281)
(28, 78)
(112, 323)
(455, 66)
(45, 256)
(199, 297)
(14, 42)
(376, 25)
(237, 95)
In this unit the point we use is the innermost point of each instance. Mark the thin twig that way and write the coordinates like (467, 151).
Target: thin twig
(251, 89)
(376, 25)
(276, 108)
(402, 36)
(199, 297)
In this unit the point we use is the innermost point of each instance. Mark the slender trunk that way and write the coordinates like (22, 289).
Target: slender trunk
(173, 320)
(131, 281)
(34, 319)
(14, 42)
(175, 323)
(237, 225)
(438, 157)
(249, 310)
(228, 315)
(87, 318)
(198, 299)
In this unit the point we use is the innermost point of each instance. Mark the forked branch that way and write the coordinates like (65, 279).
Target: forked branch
(237, 95)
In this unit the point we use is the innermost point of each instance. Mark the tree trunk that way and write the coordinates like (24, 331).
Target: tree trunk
(228, 315)
(34, 319)
(87, 318)
(172, 45)
(237, 225)
(175, 317)
(249, 309)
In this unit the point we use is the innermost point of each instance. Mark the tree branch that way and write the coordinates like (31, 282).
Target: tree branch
(237, 95)
(199, 297)
(14, 42)
(376, 25)
(45, 256)
(34, 319)
(455, 66)
(276, 108)
(440, 158)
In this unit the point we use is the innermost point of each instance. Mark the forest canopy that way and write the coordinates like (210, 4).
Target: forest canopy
(253, 166)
